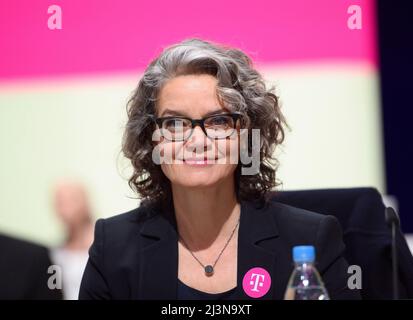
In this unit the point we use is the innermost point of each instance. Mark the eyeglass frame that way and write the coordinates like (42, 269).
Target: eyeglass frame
(201, 122)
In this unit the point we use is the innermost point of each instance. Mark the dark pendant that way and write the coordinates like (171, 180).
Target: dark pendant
(209, 270)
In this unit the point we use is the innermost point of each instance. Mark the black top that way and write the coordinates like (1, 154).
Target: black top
(185, 292)
(135, 255)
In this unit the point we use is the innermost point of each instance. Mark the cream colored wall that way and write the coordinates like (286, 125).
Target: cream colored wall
(336, 135)
(74, 127)
(65, 129)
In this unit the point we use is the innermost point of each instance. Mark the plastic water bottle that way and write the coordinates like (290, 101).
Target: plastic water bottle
(305, 282)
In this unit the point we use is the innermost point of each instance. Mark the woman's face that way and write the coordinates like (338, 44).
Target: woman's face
(198, 161)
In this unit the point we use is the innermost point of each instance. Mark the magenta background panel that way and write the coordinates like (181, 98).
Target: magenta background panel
(101, 36)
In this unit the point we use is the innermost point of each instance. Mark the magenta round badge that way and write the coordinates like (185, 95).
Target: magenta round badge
(256, 282)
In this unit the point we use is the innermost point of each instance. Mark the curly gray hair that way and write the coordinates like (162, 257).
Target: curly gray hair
(239, 86)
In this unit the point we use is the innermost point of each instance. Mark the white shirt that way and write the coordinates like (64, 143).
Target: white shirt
(72, 264)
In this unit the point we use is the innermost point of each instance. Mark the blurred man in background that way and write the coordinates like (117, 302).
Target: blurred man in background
(73, 210)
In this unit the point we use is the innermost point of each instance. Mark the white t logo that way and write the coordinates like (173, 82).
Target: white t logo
(259, 281)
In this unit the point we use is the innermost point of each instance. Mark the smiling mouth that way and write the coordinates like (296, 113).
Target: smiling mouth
(203, 161)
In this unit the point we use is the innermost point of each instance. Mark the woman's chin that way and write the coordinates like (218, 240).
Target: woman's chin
(197, 184)
(201, 177)
(197, 181)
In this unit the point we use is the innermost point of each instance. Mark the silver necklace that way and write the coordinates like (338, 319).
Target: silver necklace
(209, 269)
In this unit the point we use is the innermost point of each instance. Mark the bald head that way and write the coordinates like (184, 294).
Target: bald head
(71, 203)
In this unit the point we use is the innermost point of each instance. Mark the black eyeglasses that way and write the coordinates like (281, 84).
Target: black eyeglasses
(177, 128)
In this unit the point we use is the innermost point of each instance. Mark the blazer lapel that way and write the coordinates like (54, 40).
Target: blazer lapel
(257, 245)
(158, 258)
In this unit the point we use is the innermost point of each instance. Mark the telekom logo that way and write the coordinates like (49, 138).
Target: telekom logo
(256, 282)
(259, 281)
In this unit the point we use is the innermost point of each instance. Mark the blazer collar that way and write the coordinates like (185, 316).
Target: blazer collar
(257, 239)
(158, 258)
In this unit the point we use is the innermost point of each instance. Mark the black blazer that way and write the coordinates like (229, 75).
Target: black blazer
(135, 255)
(23, 271)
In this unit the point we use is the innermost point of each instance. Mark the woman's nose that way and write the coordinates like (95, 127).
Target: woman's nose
(198, 138)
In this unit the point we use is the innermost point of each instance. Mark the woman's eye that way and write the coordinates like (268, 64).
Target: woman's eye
(173, 123)
(176, 125)
(220, 121)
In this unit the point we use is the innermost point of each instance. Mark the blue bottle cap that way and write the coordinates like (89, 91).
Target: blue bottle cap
(303, 254)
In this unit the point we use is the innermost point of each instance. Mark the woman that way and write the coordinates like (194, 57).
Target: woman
(205, 220)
